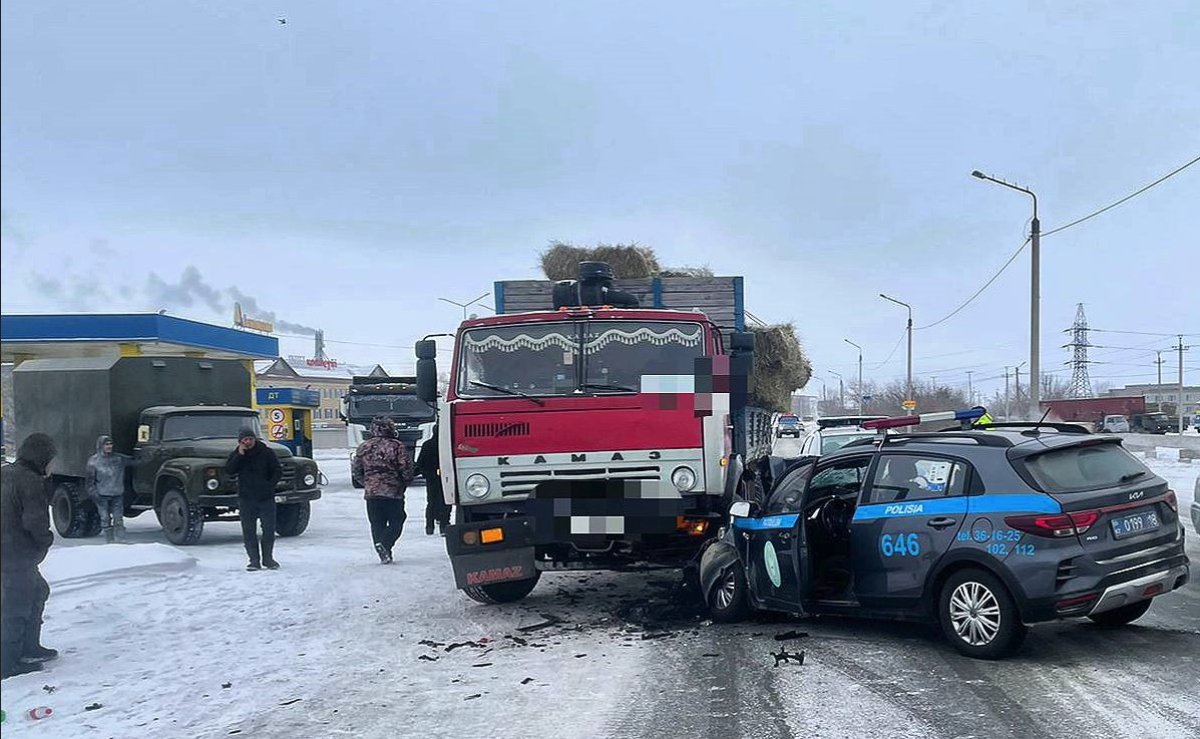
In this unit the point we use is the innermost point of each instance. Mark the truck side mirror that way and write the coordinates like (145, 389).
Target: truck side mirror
(427, 370)
(742, 342)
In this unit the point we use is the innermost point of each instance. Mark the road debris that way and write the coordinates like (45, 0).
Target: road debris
(788, 635)
(293, 700)
(549, 621)
(527, 680)
(427, 658)
(226, 686)
(94, 707)
(784, 657)
(49, 688)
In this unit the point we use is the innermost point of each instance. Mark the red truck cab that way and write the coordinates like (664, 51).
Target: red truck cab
(584, 437)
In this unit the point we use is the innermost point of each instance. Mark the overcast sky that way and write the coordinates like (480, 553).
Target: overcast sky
(346, 168)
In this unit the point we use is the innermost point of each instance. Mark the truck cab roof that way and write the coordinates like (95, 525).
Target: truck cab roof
(165, 410)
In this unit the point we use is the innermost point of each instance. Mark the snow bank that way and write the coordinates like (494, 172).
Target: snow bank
(70, 568)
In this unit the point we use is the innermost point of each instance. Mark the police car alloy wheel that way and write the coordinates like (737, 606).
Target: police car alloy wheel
(979, 616)
(727, 600)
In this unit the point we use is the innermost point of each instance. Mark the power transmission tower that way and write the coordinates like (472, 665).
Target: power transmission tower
(1081, 384)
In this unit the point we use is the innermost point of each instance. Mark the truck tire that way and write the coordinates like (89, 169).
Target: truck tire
(74, 515)
(503, 592)
(291, 519)
(182, 521)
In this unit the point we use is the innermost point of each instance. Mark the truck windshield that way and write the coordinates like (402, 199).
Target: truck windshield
(545, 358)
(620, 353)
(393, 406)
(183, 426)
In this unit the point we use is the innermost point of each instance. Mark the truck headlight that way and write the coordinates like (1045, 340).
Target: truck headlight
(213, 483)
(477, 485)
(309, 480)
(683, 478)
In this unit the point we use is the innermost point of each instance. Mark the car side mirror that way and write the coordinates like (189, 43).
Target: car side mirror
(740, 509)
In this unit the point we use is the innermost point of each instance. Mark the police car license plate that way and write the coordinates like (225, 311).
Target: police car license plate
(1134, 524)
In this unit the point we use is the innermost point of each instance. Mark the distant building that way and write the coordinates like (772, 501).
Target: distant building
(1165, 393)
(330, 379)
(804, 406)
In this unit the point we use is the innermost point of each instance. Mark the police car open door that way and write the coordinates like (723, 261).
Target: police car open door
(773, 545)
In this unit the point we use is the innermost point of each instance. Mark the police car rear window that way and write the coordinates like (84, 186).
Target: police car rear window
(1077, 468)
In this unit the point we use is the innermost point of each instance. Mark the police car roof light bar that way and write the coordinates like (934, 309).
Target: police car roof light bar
(965, 416)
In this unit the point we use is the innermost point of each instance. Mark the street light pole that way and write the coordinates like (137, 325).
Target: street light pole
(910, 397)
(466, 305)
(970, 389)
(841, 391)
(860, 385)
(1035, 291)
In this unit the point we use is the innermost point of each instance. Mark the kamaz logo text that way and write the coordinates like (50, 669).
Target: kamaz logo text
(496, 574)
(583, 457)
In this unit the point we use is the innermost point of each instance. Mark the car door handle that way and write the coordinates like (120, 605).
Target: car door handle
(941, 522)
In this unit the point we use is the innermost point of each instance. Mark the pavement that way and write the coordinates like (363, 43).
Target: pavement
(335, 644)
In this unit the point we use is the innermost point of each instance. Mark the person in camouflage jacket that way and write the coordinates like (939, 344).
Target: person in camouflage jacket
(382, 464)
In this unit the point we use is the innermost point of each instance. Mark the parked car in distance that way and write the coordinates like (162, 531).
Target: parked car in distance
(1114, 425)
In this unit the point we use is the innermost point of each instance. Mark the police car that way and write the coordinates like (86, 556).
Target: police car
(984, 529)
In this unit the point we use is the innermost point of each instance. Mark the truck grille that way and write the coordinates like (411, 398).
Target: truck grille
(288, 481)
(495, 429)
(523, 481)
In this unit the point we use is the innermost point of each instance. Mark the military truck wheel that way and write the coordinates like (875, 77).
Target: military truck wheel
(291, 519)
(503, 592)
(182, 521)
(74, 515)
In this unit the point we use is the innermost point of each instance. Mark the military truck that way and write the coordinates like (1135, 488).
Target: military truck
(177, 418)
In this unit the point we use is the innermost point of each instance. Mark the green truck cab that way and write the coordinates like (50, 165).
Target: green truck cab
(175, 418)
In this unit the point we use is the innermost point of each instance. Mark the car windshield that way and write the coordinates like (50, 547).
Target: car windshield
(1091, 467)
(545, 359)
(837, 441)
(183, 426)
(394, 406)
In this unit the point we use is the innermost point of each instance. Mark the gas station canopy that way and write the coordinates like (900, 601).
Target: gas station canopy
(130, 334)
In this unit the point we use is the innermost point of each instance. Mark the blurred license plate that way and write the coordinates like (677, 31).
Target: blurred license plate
(1137, 523)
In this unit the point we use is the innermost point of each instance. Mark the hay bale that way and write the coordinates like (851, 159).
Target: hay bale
(560, 261)
(780, 366)
(702, 271)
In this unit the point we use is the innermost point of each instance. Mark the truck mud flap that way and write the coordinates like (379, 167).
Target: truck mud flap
(489, 552)
(496, 566)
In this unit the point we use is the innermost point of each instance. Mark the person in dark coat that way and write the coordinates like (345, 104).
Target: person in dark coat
(258, 471)
(105, 484)
(382, 464)
(25, 539)
(436, 510)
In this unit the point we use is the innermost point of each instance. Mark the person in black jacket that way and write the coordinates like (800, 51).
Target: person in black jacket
(258, 470)
(25, 539)
(436, 510)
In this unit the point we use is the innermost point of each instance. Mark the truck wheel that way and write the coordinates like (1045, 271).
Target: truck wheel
(1123, 615)
(74, 516)
(978, 615)
(291, 519)
(182, 521)
(727, 603)
(503, 592)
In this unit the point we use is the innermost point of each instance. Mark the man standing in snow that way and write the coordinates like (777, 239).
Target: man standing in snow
(258, 471)
(436, 510)
(382, 464)
(25, 539)
(105, 482)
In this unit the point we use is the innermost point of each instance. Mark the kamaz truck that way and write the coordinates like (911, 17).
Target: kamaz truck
(177, 418)
(592, 433)
(394, 398)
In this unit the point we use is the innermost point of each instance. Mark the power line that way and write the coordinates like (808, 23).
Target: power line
(892, 352)
(1137, 333)
(1125, 199)
(1064, 227)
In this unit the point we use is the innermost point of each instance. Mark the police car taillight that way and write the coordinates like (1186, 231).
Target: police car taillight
(1172, 501)
(1055, 526)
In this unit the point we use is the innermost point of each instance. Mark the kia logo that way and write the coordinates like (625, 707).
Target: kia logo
(1136, 495)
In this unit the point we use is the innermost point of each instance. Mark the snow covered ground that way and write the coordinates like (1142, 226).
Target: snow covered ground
(182, 642)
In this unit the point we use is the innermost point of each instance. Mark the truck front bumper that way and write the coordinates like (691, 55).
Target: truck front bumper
(282, 497)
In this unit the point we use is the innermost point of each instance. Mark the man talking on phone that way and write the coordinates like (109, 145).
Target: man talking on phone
(258, 470)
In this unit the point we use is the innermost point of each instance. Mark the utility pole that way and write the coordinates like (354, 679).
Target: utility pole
(910, 398)
(970, 388)
(841, 391)
(860, 385)
(466, 305)
(1179, 405)
(1035, 291)
(1159, 362)
(1017, 384)
(1007, 408)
